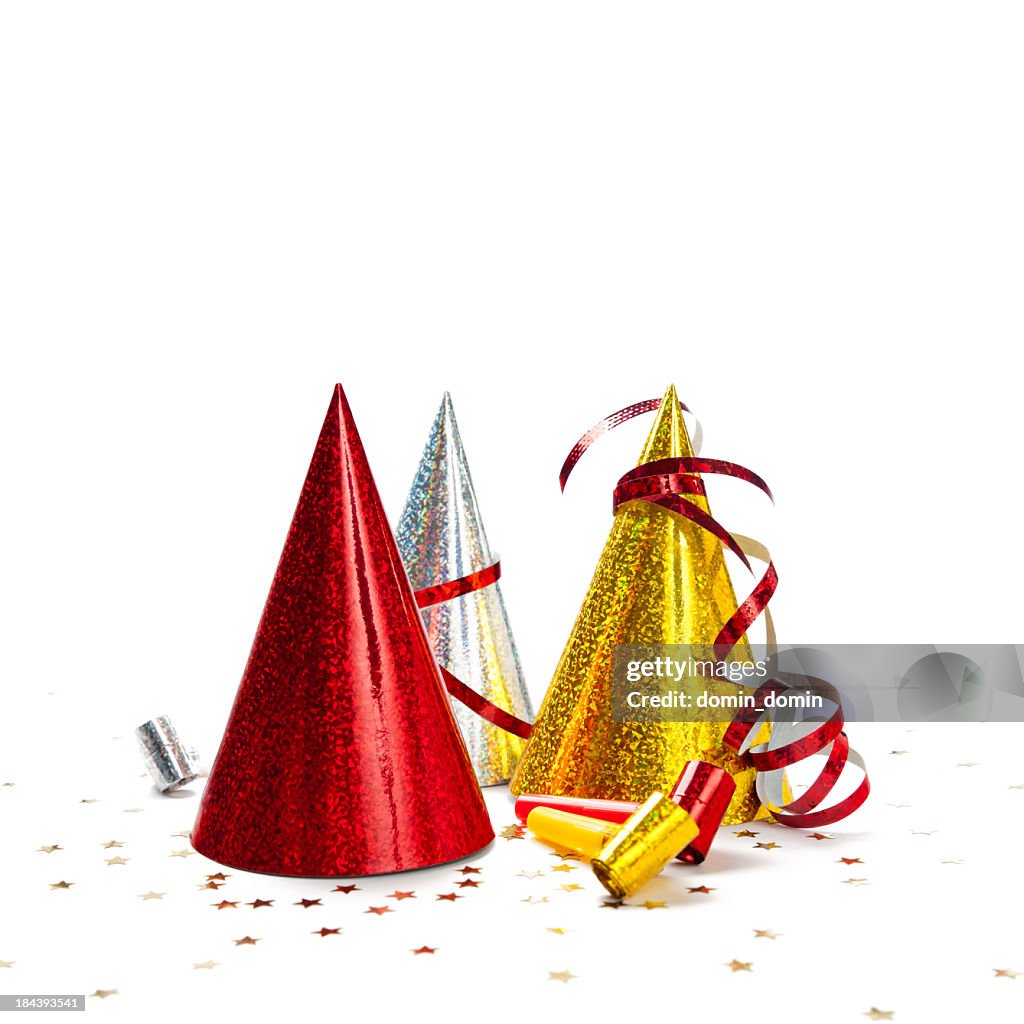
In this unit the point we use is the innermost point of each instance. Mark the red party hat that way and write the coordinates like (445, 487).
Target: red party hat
(341, 755)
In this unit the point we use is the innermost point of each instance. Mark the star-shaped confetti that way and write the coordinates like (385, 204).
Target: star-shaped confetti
(700, 888)
(896, 753)
(152, 895)
(378, 910)
(765, 933)
(876, 1014)
(211, 885)
(114, 861)
(849, 860)
(767, 846)
(90, 801)
(256, 904)
(654, 904)
(821, 835)
(468, 870)
(613, 904)
(1016, 785)
(450, 897)
(568, 855)
(7, 963)
(104, 993)
(740, 965)
(181, 835)
(133, 810)
(1001, 972)
(206, 965)
(469, 883)
(746, 834)
(246, 940)
(530, 874)
(304, 903)
(114, 844)
(225, 904)
(322, 932)
(564, 867)
(563, 976)
(182, 853)
(513, 832)
(535, 899)
(219, 877)
(49, 849)
(557, 931)
(425, 949)
(61, 885)
(855, 881)
(345, 888)
(571, 887)
(411, 895)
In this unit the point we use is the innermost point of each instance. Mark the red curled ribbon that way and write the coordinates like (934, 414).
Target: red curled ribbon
(487, 710)
(664, 482)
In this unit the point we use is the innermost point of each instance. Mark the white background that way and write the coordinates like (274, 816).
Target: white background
(808, 216)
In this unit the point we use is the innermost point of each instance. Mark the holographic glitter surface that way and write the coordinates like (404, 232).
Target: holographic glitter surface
(341, 755)
(441, 537)
(661, 579)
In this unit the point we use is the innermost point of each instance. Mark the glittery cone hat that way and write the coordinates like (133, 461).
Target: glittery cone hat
(341, 755)
(441, 538)
(661, 579)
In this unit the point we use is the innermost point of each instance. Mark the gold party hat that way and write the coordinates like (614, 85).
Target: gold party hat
(661, 579)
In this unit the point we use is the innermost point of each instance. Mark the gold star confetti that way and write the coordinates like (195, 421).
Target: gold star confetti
(535, 899)
(307, 903)
(745, 834)
(699, 888)
(740, 965)
(425, 949)
(821, 835)
(849, 860)
(7, 963)
(182, 853)
(103, 993)
(571, 887)
(613, 904)
(206, 965)
(113, 845)
(152, 895)
(565, 856)
(451, 897)
(564, 867)
(530, 874)
(112, 861)
(225, 904)
(468, 871)
(557, 931)
(1001, 972)
(378, 910)
(855, 881)
(767, 846)
(765, 933)
(411, 895)
(246, 940)
(513, 832)
(654, 904)
(181, 835)
(219, 877)
(563, 976)
(469, 883)
(875, 1014)
(256, 904)
(323, 932)
(345, 888)
(49, 849)
(61, 885)
(211, 885)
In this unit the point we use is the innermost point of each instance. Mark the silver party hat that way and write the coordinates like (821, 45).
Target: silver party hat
(441, 537)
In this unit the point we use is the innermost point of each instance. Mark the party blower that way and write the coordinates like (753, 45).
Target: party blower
(341, 755)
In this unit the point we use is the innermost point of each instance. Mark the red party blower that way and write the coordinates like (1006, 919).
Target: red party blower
(702, 789)
(341, 756)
